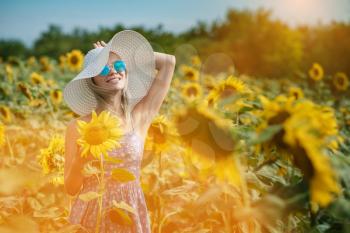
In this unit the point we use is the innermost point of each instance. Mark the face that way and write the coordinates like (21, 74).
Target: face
(114, 80)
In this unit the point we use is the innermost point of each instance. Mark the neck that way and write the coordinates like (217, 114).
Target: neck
(114, 106)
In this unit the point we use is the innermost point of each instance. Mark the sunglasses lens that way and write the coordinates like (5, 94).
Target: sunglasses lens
(105, 71)
(119, 66)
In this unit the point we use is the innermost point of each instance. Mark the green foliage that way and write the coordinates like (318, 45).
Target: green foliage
(253, 42)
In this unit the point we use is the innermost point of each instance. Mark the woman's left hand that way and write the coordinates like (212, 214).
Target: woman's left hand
(99, 44)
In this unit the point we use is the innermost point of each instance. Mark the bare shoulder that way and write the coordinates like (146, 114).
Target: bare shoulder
(72, 130)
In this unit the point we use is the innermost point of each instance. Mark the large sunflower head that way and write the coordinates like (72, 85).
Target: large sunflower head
(341, 81)
(99, 135)
(206, 133)
(316, 72)
(75, 60)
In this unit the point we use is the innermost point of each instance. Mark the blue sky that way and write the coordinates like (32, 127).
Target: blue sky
(25, 20)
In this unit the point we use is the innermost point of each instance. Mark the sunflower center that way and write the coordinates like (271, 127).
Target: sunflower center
(341, 81)
(228, 91)
(158, 136)
(74, 60)
(190, 74)
(279, 118)
(296, 94)
(96, 134)
(192, 91)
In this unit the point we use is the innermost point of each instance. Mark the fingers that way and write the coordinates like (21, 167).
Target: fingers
(99, 44)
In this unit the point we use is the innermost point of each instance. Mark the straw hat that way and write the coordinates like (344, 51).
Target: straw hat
(138, 55)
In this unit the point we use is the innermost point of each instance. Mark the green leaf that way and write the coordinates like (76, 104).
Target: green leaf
(266, 134)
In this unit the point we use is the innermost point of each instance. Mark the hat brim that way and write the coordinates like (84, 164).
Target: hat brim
(138, 55)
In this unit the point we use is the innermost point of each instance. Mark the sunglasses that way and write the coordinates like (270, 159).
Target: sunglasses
(118, 65)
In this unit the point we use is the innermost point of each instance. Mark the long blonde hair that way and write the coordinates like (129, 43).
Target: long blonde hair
(104, 95)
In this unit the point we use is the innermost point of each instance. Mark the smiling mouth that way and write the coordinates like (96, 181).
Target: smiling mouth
(119, 78)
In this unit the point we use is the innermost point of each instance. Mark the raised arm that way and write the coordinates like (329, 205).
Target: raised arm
(149, 106)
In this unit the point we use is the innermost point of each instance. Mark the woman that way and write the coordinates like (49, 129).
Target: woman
(126, 87)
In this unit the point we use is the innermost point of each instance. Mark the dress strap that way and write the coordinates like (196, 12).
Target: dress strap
(132, 125)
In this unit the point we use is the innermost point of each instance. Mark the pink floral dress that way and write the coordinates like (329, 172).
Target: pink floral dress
(85, 213)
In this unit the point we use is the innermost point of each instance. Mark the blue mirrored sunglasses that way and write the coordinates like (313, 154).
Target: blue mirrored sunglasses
(118, 65)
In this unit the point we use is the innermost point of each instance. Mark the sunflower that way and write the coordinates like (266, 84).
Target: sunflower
(277, 110)
(31, 61)
(9, 72)
(51, 83)
(25, 90)
(36, 102)
(36, 78)
(316, 72)
(316, 167)
(2, 134)
(62, 61)
(192, 90)
(56, 96)
(225, 170)
(229, 87)
(207, 134)
(209, 82)
(161, 134)
(341, 81)
(211, 99)
(190, 73)
(45, 64)
(75, 60)
(5, 113)
(51, 159)
(306, 132)
(196, 61)
(99, 135)
(296, 92)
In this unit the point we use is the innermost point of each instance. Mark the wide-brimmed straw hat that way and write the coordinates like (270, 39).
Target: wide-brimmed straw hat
(138, 55)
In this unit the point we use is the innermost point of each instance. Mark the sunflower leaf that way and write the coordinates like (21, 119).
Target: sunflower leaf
(88, 196)
(122, 175)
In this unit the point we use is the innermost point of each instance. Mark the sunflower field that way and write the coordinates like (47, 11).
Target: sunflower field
(227, 152)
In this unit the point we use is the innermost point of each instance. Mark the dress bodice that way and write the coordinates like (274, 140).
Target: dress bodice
(130, 152)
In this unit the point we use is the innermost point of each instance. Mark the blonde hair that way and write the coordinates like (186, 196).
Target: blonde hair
(104, 95)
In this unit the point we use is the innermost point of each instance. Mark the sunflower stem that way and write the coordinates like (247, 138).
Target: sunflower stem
(49, 104)
(10, 147)
(100, 197)
(243, 181)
